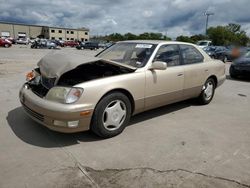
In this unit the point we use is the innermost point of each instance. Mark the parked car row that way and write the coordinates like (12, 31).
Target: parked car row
(43, 43)
(51, 44)
(5, 43)
(225, 53)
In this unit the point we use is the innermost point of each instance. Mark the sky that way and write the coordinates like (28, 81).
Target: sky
(169, 17)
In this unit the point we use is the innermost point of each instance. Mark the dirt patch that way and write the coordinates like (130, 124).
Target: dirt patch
(147, 177)
(86, 177)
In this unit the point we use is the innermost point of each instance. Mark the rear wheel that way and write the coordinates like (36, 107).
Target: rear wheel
(207, 92)
(111, 115)
(6, 45)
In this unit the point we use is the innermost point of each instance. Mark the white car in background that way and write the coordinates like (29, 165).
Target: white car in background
(22, 41)
(204, 43)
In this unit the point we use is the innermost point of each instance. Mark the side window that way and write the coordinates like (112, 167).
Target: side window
(190, 55)
(169, 54)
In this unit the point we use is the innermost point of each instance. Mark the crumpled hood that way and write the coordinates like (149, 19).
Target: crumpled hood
(56, 64)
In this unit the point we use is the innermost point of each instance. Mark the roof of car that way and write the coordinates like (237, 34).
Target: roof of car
(155, 42)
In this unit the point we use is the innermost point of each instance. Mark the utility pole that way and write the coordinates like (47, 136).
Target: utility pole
(207, 14)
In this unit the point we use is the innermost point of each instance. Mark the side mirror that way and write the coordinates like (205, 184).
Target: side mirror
(158, 65)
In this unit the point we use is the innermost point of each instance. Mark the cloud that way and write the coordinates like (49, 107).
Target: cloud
(147, 13)
(174, 17)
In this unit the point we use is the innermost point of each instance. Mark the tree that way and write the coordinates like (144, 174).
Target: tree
(228, 35)
(130, 36)
(199, 37)
(184, 39)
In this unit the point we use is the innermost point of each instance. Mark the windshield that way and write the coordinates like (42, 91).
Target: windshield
(133, 54)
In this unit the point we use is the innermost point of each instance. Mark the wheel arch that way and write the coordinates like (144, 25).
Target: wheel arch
(214, 78)
(123, 91)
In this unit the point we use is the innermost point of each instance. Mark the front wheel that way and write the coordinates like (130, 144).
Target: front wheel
(6, 45)
(111, 115)
(207, 92)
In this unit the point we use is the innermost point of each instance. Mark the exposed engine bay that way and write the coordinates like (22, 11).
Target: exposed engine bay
(91, 71)
(40, 85)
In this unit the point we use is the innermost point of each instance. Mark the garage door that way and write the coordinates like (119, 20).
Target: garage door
(21, 35)
(5, 34)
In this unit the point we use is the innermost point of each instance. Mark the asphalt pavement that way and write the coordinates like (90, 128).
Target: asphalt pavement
(180, 145)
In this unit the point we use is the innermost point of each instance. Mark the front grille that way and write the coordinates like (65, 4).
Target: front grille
(39, 90)
(48, 82)
(34, 114)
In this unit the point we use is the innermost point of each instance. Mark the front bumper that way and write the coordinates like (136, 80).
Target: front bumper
(47, 112)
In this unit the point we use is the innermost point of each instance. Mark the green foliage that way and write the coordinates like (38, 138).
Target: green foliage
(184, 39)
(199, 37)
(130, 36)
(228, 35)
(221, 36)
(193, 39)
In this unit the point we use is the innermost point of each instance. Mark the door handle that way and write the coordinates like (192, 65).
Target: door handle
(180, 74)
(206, 70)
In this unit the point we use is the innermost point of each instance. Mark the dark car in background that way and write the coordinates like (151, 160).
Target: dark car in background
(80, 46)
(91, 45)
(218, 52)
(241, 66)
(88, 45)
(225, 54)
(5, 43)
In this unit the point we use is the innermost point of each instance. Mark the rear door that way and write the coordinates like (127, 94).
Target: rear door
(165, 86)
(195, 70)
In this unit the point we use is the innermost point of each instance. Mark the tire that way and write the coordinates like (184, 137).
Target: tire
(6, 45)
(207, 93)
(232, 73)
(111, 115)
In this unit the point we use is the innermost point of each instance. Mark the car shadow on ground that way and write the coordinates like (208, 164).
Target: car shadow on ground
(33, 133)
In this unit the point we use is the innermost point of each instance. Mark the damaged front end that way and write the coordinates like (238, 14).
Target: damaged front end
(55, 77)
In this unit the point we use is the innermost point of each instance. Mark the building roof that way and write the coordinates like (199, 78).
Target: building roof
(33, 25)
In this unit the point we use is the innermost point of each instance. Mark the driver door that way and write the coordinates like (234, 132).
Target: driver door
(165, 86)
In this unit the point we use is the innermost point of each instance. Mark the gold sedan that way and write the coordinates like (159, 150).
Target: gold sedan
(77, 93)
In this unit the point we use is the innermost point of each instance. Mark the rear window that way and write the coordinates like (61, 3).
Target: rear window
(190, 55)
